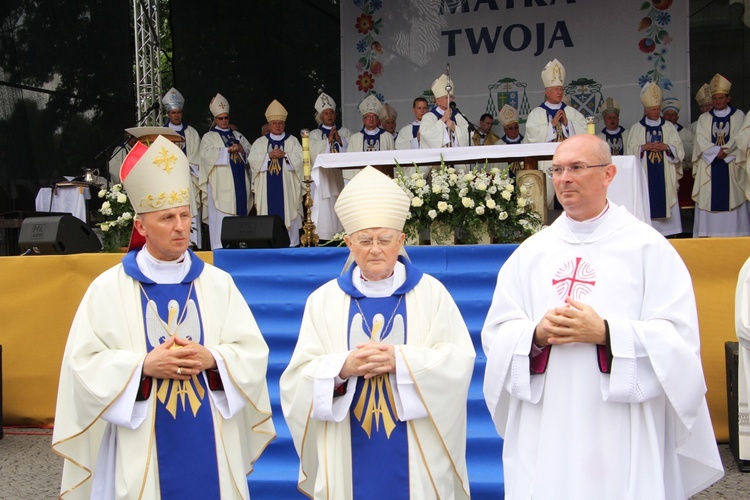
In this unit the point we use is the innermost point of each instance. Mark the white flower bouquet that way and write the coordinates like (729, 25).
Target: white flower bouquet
(118, 218)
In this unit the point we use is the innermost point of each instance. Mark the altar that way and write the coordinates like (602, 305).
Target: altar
(629, 188)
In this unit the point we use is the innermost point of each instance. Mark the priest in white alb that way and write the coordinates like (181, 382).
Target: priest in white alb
(163, 383)
(594, 377)
(375, 393)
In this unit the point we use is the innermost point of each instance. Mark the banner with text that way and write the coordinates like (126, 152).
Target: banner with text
(495, 51)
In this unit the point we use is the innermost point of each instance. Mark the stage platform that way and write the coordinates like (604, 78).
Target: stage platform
(41, 294)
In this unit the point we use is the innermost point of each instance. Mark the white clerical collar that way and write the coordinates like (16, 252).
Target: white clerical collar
(653, 123)
(326, 127)
(223, 129)
(374, 131)
(416, 122)
(611, 131)
(553, 106)
(513, 141)
(161, 271)
(582, 229)
(721, 113)
(277, 137)
(440, 110)
(380, 288)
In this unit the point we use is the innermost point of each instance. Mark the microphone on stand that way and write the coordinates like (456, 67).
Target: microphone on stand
(455, 109)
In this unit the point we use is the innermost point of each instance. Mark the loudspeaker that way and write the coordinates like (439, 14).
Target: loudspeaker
(57, 234)
(731, 354)
(260, 231)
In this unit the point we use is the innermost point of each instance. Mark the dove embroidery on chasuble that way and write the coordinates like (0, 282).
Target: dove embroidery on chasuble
(184, 428)
(380, 461)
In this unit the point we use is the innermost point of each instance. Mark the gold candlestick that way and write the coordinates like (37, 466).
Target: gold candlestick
(309, 236)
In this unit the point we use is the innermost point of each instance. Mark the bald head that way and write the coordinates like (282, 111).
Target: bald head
(587, 171)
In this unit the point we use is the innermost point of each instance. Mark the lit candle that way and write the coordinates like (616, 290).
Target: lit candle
(590, 127)
(306, 167)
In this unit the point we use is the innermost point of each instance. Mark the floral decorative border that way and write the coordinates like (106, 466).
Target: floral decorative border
(369, 68)
(655, 41)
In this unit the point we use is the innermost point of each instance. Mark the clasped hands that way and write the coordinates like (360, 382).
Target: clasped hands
(368, 360)
(560, 117)
(190, 358)
(570, 323)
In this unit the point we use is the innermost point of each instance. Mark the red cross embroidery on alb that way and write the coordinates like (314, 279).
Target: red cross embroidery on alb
(575, 278)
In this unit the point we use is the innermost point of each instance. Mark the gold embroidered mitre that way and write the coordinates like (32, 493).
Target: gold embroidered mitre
(370, 104)
(439, 86)
(553, 74)
(703, 96)
(275, 112)
(218, 105)
(507, 115)
(651, 95)
(719, 85)
(610, 105)
(156, 177)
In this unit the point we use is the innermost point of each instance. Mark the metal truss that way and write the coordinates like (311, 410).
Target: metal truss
(147, 62)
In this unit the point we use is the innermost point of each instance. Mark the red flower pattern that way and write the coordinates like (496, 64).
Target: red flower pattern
(365, 23)
(365, 82)
(662, 4)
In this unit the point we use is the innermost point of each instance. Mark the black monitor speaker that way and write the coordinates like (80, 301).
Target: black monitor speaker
(57, 234)
(260, 231)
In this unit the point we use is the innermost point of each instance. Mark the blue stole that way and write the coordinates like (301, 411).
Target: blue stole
(657, 185)
(720, 135)
(275, 178)
(414, 130)
(678, 127)
(616, 145)
(434, 111)
(182, 145)
(551, 114)
(505, 139)
(380, 446)
(371, 142)
(335, 146)
(183, 427)
(237, 164)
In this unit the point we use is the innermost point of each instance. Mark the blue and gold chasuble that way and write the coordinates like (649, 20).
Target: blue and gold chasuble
(380, 448)
(371, 142)
(275, 178)
(183, 427)
(720, 135)
(335, 146)
(655, 165)
(237, 163)
(183, 144)
(616, 144)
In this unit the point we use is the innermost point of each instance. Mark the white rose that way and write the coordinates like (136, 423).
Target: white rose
(492, 189)
(494, 171)
(521, 201)
(416, 176)
(420, 183)
(105, 227)
(523, 189)
(491, 204)
(505, 195)
(453, 178)
(127, 216)
(117, 188)
(121, 198)
(450, 209)
(106, 205)
(469, 177)
(442, 206)
(417, 202)
(467, 202)
(509, 187)
(432, 214)
(463, 192)
(481, 186)
(480, 210)
(437, 189)
(102, 193)
(503, 215)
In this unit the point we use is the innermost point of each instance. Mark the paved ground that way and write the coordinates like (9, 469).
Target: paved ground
(30, 471)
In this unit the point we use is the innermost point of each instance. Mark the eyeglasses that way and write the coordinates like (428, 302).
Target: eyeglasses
(511, 127)
(574, 170)
(367, 243)
(221, 118)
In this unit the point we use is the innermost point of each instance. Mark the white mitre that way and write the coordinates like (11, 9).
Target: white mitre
(372, 199)
(173, 100)
(671, 103)
(219, 105)
(371, 104)
(324, 102)
(703, 96)
(439, 86)
(507, 115)
(651, 95)
(553, 74)
(156, 177)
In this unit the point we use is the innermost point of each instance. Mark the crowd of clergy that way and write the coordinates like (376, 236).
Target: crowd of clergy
(233, 175)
